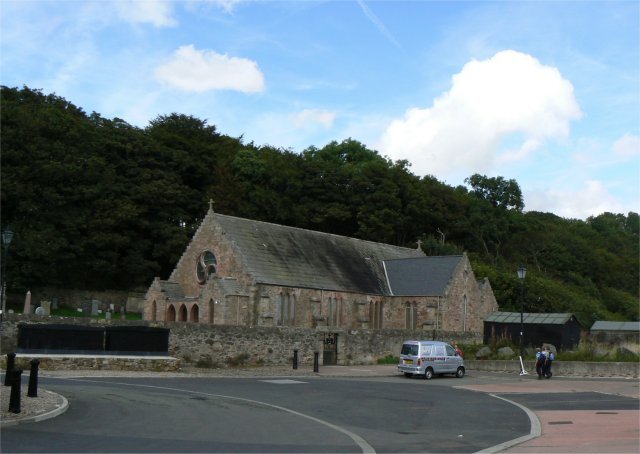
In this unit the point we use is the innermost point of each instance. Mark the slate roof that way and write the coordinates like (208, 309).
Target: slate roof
(293, 257)
(601, 325)
(530, 318)
(426, 276)
(172, 290)
(231, 287)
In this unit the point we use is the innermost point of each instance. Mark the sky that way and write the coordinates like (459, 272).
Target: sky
(545, 92)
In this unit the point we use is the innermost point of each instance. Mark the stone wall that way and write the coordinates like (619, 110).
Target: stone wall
(85, 362)
(225, 345)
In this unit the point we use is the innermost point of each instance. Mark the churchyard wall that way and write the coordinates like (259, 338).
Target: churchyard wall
(225, 345)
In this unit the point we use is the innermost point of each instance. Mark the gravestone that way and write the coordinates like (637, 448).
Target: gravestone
(86, 309)
(94, 307)
(46, 306)
(55, 304)
(107, 315)
(39, 310)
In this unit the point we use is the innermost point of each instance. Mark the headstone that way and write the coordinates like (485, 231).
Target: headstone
(27, 303)
(86, 309)
(55, 304)
(107, 315)
(46, 305)
(122, 313)
(94, 307)
(112, 307)
(39, 310)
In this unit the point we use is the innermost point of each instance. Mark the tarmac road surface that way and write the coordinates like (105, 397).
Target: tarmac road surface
(343, 409)
(268, 415)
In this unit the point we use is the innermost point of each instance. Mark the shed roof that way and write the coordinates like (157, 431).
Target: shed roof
(530, 318)
(428, 276)
(602, 325)
(293, 257)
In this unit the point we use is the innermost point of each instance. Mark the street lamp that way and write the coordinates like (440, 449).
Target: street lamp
(7, 236)
(522, 272)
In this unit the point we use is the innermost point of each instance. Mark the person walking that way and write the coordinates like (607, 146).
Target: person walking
(549, 360)
(541, 359)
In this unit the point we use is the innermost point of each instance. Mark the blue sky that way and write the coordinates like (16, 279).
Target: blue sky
(544, 92)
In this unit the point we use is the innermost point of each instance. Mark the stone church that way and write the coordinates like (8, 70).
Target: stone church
(241, 272)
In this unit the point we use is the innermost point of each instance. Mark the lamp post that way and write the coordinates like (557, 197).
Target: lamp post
(522, 272)
(7, 236)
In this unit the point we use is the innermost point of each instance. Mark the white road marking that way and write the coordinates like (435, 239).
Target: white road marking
(361, 442)
(284, 382)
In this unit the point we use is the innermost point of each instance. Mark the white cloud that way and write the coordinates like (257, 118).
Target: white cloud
(591, 199)
(627, 146)
(226, 5)
(201, 70)
(490, 102)
(155, 12)
(314, 116)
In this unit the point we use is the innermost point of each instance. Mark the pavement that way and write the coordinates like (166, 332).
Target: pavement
(552, 430)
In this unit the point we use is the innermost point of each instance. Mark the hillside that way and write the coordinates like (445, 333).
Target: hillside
(97, 203)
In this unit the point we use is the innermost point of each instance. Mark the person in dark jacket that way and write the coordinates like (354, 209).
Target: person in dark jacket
(549, 357)
(541, 359)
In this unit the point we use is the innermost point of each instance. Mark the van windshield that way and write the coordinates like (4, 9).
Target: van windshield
(409, 349)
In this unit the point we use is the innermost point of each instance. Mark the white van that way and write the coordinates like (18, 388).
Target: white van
(427, 358)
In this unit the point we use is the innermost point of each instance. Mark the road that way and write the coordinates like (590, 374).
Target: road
(383, 412)
(301, 414)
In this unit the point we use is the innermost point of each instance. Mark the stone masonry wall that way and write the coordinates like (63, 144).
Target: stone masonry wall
(222, 346)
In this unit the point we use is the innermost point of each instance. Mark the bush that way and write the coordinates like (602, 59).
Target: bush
(389, 359)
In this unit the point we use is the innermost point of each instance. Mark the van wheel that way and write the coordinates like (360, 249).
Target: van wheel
(407, 374)
(428, 373)
(460, 372)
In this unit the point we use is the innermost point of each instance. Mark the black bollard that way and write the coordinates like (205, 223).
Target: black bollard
(33, 379)
(16, 383)
(315, 361)
(11, 363)
(295, 359)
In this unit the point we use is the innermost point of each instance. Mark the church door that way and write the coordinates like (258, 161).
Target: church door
(330, 353)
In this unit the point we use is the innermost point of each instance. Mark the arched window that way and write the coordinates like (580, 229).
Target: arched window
(375, 314)
(182, 314)
(279, 304)
(464, 318)
(410, 315)
(171, 313)
(292, 310)
(206, 266)
(194, 315)
(378, 315)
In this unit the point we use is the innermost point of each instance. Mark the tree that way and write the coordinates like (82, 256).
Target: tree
(499, 192)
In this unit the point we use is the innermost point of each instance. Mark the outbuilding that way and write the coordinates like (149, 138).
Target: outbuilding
(560, 329)
(604, 331)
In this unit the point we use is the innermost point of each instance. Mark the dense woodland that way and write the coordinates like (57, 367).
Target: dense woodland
(96, 203)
